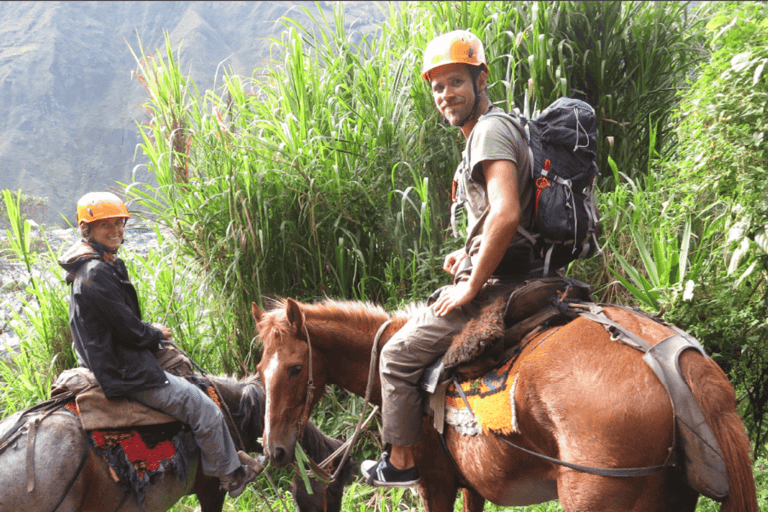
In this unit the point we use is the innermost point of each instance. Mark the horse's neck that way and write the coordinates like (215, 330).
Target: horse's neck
(347, 351)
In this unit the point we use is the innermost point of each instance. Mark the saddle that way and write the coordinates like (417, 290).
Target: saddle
(506, 314)
(97, 412)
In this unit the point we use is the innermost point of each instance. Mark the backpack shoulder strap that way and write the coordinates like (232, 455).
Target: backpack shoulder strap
(516, 118)
(522, 125)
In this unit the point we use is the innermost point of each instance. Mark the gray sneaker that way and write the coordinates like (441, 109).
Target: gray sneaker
(235, 482)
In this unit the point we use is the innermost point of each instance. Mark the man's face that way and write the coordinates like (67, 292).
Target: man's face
(108, 232)
(453, 92)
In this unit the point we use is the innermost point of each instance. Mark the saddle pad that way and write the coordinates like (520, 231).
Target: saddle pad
(492, 399)
(137, 456)
(98, 412)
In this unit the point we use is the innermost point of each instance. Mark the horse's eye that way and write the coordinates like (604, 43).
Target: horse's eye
(294, 370)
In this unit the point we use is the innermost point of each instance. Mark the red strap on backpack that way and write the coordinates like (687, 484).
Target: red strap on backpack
(541, 184)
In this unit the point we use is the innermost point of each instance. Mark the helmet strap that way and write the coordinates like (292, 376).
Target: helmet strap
(475, 78)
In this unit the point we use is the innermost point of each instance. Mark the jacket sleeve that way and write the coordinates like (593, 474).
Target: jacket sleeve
(101, 293)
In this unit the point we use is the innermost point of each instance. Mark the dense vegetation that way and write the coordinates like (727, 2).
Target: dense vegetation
(332, 178)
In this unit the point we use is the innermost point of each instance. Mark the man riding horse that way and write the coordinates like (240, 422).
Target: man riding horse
(112, 341)
(498, 199)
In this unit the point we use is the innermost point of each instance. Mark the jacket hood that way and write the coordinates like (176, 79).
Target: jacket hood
(79, 253)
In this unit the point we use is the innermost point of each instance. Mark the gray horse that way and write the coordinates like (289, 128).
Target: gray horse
(48, 463)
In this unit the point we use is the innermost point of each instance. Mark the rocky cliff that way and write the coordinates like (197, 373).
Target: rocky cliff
(68, 104)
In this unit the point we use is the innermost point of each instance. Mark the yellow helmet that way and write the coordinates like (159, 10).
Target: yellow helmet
(459, 46)
(100, 205)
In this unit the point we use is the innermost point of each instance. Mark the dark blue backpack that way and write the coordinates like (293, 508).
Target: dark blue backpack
(563, 145)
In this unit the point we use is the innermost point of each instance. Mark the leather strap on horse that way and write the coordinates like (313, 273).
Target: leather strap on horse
(31, 435)
(611, 472)
(310, 388)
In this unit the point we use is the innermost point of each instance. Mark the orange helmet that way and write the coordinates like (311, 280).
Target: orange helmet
(100, 205)
(459, 46)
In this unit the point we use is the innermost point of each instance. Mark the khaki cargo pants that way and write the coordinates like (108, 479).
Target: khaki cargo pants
(420, 342)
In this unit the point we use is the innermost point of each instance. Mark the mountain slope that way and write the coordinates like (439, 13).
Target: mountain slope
(68, 105)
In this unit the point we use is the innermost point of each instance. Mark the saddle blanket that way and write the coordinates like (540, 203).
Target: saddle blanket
(136, 456)
(492, 400)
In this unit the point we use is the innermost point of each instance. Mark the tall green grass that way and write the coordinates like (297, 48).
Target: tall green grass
(331, 176)
(42, 325)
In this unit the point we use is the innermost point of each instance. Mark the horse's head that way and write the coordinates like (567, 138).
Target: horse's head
(285, 373)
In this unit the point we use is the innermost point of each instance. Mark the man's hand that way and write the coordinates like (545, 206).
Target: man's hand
(167, 335)
(452, 261)
(455, 297)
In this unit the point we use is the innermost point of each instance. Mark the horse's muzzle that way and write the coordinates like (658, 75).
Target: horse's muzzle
(280, 455)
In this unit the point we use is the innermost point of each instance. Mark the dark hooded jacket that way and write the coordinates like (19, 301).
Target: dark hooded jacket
(109, 336)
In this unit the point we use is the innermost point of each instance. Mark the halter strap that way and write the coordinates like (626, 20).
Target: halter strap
(310, 389)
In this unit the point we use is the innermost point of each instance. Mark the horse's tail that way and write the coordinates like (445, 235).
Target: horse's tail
(716, 399)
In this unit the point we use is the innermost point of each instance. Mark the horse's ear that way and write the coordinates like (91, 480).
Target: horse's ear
(257, 312)
(295, 316)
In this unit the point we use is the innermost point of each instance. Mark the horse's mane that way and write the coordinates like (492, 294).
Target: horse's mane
(348, 312)
(249, 413)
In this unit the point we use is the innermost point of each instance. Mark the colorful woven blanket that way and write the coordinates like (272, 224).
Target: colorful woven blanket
(492, 399)
(137, 456)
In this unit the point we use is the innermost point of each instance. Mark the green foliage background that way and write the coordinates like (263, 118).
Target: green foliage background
(332, 178)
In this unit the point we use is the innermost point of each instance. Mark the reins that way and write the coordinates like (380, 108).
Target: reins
(347, 446)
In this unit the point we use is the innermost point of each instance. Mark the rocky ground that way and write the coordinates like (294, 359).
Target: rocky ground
(14, 277)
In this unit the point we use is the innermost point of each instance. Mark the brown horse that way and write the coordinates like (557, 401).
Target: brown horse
(581, 397)
(69, 475)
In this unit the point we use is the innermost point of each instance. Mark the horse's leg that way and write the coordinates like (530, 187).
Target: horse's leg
(439, 483)
(208, 492)
(662, 492)
(473, 500)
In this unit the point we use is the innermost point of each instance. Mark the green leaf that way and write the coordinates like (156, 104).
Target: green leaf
(741, 61)
(761, 238)
(758, 72)
(301, 458)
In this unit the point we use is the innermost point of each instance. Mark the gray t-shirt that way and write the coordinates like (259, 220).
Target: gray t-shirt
(494, 137)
